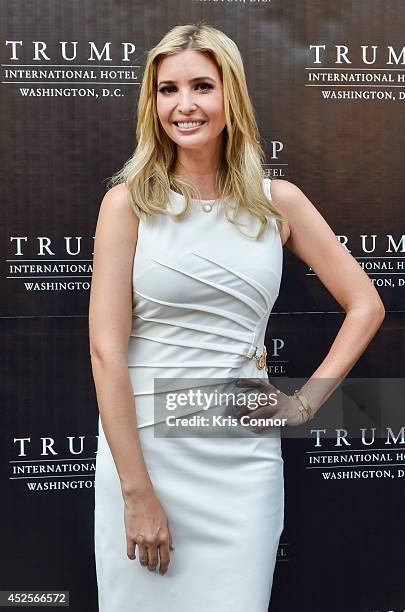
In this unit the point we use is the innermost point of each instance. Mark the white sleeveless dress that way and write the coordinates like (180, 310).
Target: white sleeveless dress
(203, 293)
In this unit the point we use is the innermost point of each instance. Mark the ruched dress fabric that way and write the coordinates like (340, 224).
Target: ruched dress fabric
(203, 293)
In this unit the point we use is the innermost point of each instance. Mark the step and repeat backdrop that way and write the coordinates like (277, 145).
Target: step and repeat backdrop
(327, 80)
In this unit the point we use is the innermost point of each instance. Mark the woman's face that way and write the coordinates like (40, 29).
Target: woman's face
(189, 92)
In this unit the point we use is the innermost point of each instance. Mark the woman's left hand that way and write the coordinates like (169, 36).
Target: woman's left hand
(279, 405)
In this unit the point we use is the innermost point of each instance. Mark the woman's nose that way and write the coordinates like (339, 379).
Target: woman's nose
(186, 102)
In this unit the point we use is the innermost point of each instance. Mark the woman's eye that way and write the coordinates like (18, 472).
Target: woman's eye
(167, 88)
(205, 85)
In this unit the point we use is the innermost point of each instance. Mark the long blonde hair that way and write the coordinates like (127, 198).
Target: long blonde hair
(149, 175)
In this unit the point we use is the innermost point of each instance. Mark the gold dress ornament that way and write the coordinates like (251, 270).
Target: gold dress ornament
(261, 360)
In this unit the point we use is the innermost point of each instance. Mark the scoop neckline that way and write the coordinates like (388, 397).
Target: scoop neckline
(193, 199)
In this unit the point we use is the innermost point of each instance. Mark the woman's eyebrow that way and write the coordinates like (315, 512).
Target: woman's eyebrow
(191, 80)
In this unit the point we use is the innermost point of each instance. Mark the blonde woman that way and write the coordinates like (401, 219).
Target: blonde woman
(187, 267)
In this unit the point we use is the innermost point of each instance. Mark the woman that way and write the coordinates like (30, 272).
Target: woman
(187, 267)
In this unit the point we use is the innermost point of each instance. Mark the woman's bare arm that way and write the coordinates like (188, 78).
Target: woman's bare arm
(313, 241)
(110, 321)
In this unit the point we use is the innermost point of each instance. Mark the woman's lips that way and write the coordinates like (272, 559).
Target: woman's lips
(190, 129)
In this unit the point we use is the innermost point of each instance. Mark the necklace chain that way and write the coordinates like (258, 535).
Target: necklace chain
(207, 206)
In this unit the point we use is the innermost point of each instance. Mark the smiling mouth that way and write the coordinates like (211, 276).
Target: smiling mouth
(188, 125)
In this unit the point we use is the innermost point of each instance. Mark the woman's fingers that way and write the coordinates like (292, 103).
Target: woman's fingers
(154, 550)
(131, 549)
(264, 404)
(281, 406)
(147, 527)
(152, 556)
(242, 412)
(249, 382)
(143, 554)
(265, 395)
(170, 541)
(142, 549)
(259, 413)
(165, 546)
(164, 555)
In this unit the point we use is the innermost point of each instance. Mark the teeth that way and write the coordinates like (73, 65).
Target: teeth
(189, 124)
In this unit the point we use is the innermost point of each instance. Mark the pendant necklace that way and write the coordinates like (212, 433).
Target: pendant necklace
(207, 206)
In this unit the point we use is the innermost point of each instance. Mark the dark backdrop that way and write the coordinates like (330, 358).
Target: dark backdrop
(327, 81)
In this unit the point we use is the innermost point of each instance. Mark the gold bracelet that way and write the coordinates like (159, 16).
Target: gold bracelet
(305, 407)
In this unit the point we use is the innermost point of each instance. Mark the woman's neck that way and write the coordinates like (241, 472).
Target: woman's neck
(200, 171)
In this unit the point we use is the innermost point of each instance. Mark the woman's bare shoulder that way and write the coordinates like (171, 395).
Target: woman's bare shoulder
(118, 198)
(281, 192)
(117, 224)
(116, 212)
